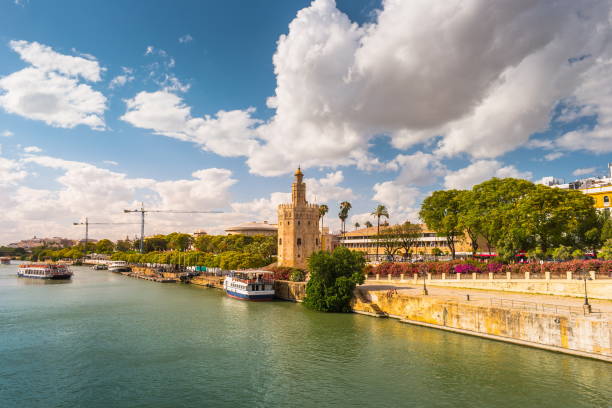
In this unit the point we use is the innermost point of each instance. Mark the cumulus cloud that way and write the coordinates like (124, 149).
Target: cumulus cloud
(228, 133)
(122, 79)
(11, 171)
(584, 171)
(480, 171)
(111, 162)
(419, 169)
(51, 88)
(553, 156)
(7, 133)
(32, 149)
(401, 200)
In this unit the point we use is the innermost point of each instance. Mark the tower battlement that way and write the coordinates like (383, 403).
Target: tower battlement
(298, 227)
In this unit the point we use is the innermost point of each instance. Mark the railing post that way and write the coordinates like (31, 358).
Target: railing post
(402, 277)
(415, 277)
(473, 275)
(592, 273)
(547, 275)
(378, 276)
(508, 275)
(428, 276)
(443, 275)
(526, 275)
(490, 275)
(458, 276)
(389, 277)
(568, 275)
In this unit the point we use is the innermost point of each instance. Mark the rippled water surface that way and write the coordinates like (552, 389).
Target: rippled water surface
(104, 340)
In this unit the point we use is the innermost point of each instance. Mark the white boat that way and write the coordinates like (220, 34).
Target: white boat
(5, 261)
(119, 266)
(249, 285)
(44, 271)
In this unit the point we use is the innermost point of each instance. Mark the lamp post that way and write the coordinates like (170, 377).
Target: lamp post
(424, 286)
(586, 306)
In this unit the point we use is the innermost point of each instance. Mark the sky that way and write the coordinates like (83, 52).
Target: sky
(207, 105)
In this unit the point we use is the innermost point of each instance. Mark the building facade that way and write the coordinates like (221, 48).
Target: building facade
(600, 188)
(298, 227)
(364, 240)
(253, 228)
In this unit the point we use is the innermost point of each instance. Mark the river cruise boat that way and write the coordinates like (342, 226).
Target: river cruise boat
(119, 266)
(44, 271)
(249, 285)
(100, 267)
(5, 261)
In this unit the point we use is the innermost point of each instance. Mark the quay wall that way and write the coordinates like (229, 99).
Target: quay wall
(596, 288)
(287, 290)
(587, 336)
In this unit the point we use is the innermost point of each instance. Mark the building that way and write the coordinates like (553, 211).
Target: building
(253, 228)
(364, 240)
(600, 188)
(298, 227)
(54, 242)
(199, 233)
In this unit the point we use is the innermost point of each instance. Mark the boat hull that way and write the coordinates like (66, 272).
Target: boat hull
(121, 269)
(52, 277)
(260, 297)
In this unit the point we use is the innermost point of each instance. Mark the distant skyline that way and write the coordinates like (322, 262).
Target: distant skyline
(202, 105)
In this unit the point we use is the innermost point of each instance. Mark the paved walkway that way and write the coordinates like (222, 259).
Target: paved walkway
(489, 297)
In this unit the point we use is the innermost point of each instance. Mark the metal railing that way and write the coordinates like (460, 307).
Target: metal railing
(539, 307)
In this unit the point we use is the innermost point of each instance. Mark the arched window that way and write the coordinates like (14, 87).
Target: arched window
(299, 241)
(606, 200)
(288, 222)
(298, 223)
(280, 241)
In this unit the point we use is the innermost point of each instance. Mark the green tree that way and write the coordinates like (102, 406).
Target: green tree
(379, 211)
(123, 245)
(105, 246)
(155, 243)
(323, 209)
(606, 250)
(389, 240)
(179, 241)
(345, 207)
(357, 225)
(333, 278)
(562, 253)
(408, 235)
(441, 211)
(368, 224)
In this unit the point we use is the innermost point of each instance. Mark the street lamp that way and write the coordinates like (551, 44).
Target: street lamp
(587, 306)
(424, 286)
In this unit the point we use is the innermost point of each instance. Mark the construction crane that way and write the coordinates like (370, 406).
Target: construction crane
(142, 212)
(87, 224)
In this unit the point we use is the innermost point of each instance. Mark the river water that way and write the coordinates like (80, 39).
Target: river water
(105, 340)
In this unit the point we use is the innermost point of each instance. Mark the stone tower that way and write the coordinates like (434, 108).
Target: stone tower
(298, 227)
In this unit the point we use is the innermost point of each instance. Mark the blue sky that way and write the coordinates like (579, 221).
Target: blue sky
(380, 102)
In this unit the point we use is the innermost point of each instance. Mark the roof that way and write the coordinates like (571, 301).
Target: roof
(372, 230)
(253, 226)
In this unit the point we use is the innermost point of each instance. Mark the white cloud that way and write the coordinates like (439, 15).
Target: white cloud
(120, 80)
(401, 201)
(32, 149)
(480, 171)
(228, 133)
(7, 133)
(11, 172)
(418, 169)
(50, 89)
(553, 156)
(111, 162)
(327, 188)
(185, 39)
(149, 50)
(584, 171)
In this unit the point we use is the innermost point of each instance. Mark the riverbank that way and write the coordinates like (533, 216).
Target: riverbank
(544, 322)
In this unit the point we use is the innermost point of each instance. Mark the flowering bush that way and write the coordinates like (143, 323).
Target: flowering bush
(466, 268)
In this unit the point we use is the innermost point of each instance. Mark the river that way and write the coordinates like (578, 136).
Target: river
(105, 340)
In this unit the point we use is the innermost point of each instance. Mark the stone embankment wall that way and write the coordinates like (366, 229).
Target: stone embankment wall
(287, 290)
(572, 285)
(588, 336)
(210, 281)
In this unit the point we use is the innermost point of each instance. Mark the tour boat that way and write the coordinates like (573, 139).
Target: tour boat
(249, 285)
(5, 261)
(44, 271)
(119, 266)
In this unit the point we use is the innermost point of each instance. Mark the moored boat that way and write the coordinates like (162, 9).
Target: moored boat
(249, 285)
(100, 267)
(119, 266)
(5, 260)
(44, 271)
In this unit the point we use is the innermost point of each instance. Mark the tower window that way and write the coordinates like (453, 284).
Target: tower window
(288, 222)
(280, 241)
(298, 223)
(299, 241)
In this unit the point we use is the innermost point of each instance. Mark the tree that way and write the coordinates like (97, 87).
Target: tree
(323, 209)
(105, 246)
(123, 245)
(562, 253)
(388, 239)
(155, 243)
(368, 224)
(469, 218)
(179, 241)
(333, 278)
(357, 225)
(440, 211)
(380, 211)
(408, 235)
(606, 250)
(345, 207)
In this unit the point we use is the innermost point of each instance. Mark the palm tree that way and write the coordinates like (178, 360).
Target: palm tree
(323, 209)
(380, 211)
(357, 225)
(345, 207)
(368, 224)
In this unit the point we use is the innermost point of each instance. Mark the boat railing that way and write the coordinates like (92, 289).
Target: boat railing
(257, 281)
